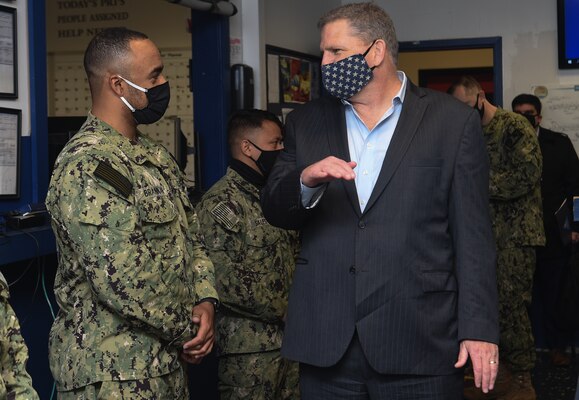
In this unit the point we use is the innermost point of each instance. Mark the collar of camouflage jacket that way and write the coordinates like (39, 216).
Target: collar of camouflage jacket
(247, 173)
(140, 152)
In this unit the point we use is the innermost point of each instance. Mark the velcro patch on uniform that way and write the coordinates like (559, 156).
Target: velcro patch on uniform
(259, 222)
(114, 178)
(225, 215)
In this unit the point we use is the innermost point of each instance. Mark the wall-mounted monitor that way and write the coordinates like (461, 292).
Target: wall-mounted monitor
(568, 33)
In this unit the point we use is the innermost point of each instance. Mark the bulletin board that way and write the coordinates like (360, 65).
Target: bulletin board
(293, 78)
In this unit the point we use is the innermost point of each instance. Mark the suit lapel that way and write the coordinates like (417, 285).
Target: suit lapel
(412, 112)
(338, 139)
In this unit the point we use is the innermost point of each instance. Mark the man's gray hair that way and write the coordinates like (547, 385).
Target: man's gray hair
(368, 21)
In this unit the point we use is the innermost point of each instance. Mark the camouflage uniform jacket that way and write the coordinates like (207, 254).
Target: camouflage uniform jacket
(515, 181)
(254, 262)
(130, 265)
(15, 383)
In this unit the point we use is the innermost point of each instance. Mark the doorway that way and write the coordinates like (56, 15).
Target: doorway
(437, 63)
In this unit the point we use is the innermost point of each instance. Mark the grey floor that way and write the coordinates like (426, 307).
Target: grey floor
(554, 383)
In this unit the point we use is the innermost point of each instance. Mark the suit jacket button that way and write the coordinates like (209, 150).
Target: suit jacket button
(361, 224)
(352, 269)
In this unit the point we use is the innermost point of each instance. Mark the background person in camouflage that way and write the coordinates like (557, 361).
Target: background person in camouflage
(254, 262)
(15, 383)
(516, 213)
(134, 284)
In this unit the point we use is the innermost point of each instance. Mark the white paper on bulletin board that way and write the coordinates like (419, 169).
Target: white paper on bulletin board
(560, 109)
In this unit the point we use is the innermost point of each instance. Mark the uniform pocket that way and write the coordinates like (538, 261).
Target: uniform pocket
(105, 209)
(157, 209)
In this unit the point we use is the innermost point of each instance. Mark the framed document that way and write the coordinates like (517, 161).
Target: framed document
(8, 49)
(10, 126)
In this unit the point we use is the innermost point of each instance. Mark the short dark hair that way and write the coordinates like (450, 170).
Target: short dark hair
(469, 83)
(243, 120)
(369, 22)
(526, 98)
(109, 46)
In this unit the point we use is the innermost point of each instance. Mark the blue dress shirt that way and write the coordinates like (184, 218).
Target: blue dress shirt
(367, 148)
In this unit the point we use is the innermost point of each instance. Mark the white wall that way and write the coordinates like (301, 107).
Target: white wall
(246, 31)
(293, 24)
(528, 29)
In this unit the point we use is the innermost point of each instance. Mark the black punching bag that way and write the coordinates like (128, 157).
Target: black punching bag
(241, 87)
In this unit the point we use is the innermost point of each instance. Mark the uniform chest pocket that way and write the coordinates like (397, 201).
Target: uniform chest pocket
(157, 209)
(260, 234)
(157, 215)
(261, 249)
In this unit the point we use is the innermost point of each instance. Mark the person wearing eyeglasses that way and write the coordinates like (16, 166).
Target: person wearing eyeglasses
(559, 181)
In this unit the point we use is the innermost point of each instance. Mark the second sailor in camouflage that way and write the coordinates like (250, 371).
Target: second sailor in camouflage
(517, 218)
(516, 215)
(254, 262)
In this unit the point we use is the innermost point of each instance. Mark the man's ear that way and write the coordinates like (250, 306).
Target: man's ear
(483, 95)
(245, 147)
(379, 54)
(114, 83)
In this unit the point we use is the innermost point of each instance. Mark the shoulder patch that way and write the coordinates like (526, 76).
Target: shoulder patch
(114, 178)
(225, 215)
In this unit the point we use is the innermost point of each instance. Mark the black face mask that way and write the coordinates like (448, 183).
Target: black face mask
(266, 159)
(481, 110)
(158, 100)
(531, 119)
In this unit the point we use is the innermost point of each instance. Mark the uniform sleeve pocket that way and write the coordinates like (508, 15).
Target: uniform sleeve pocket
(103, 208)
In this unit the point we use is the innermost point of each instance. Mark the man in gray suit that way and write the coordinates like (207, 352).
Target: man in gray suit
(395, 287)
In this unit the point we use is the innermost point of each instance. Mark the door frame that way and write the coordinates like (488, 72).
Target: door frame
(494, 42)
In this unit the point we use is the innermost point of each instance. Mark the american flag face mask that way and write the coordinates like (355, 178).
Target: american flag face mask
(345, 78)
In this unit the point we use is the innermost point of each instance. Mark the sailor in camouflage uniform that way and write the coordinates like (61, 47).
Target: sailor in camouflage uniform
(134, 285)
(516, 213)
(15, 383)
(253, 262)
